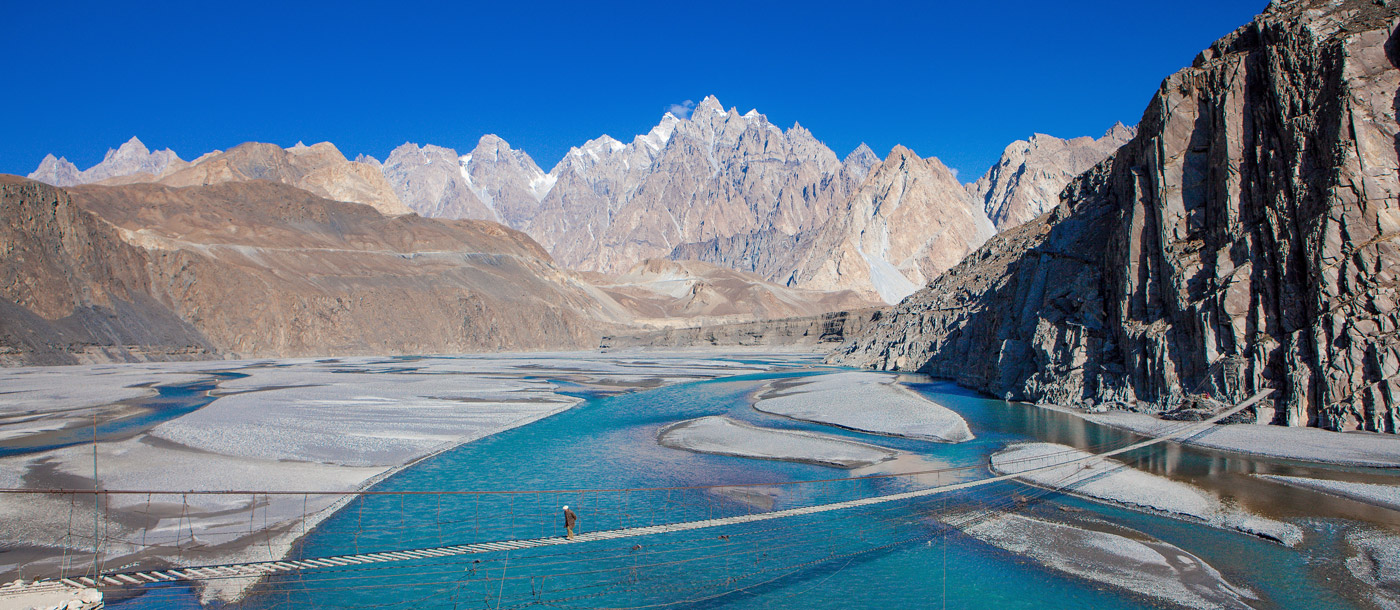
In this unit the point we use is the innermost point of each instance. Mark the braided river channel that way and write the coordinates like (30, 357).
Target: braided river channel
(602, 459)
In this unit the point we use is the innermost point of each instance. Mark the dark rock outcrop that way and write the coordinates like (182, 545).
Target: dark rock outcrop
(1247, 237)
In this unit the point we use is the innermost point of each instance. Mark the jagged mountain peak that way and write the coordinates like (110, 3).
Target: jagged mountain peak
(1026, 181)
(130, 148)
(57, 171)
(491, 144)
(661, 133)
(901, 153)
(426, 151)
(131, 158)
(859, 161)
(707, 106)
(861, 150)
(1120, 132)
(325, 149)
(604, 142)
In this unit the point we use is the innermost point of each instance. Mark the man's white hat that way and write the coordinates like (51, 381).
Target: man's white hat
(566, 507)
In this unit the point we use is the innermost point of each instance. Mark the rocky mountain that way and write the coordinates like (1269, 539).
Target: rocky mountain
(320, 169)
(1027, 180)
(429, 180)
(716, 174)
(907, 220)
(73, 290)
(506, 180)
(492, 182)
(608, 205)
(1245, 238)
(255, 268)
(128, 160)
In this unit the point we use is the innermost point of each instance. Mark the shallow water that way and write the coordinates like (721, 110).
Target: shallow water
(169, 402)
(887, 556)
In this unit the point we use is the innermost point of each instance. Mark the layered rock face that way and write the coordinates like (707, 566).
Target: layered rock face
(131, 159)
(262, 269)
(320, 169)
(1246, 238)
(1027, 180)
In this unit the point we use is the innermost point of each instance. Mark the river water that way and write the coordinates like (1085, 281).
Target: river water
(888, 556)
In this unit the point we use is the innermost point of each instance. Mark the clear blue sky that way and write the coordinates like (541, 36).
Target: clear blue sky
(958, 80)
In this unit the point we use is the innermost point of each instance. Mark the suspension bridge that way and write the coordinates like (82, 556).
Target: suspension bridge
(118, 580)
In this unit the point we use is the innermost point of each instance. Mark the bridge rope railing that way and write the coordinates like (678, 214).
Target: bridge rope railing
(779, 541)
(699, 501)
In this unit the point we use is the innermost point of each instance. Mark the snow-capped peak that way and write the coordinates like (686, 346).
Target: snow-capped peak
(541, 184)
(603, 143)
(709, 104)
(661, 134)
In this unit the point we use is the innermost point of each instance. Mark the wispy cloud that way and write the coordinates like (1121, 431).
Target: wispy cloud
(682, 110)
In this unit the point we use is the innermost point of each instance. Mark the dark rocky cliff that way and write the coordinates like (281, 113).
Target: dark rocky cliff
(1246, 238)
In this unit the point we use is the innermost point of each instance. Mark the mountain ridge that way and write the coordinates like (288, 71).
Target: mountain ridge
(718, 186)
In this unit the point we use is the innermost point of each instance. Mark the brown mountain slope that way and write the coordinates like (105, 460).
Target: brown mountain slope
(262, 269)
(72, 291)
(1248, 237)
(319, 168)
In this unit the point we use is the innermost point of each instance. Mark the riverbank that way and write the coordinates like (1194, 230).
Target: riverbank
(1117, 483)
(1358, 449)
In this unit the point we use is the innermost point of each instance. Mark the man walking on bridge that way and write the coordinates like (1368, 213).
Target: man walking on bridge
(569, 520)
